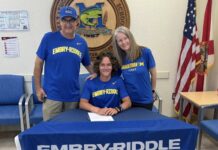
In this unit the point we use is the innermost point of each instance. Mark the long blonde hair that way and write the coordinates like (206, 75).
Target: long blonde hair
(120, 54)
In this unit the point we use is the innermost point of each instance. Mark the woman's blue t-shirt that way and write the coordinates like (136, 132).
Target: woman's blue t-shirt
(137, 77)
(104, 94)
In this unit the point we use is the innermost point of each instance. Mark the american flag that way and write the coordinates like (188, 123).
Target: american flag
(189, 56)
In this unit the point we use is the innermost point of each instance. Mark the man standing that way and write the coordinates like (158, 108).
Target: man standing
(62, 52)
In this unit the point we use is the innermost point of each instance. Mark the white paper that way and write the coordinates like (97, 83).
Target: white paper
(97, 117)
(14, 20)
(10, 46)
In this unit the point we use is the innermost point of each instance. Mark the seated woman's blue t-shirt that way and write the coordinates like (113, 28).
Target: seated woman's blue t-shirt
(104, 94)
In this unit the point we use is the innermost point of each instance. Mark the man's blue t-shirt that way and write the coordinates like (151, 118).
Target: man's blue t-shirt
(137, 77)
(104, 94)
(62, 58)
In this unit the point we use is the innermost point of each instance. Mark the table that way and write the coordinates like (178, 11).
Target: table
(136, 128)
(205, 99)
(202, 100)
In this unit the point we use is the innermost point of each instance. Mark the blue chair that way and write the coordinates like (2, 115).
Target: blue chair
(208, 126)
(33, 107)
(12, 97)
(160, 101)
(82, 80)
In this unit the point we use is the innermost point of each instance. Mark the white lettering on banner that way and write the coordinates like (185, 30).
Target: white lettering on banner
(174, 144)
(118, 146)
(90, 147)
(103, 147)
(75, 146)
(140, 145)
(43, 147)
(63, 147)
(151, 145)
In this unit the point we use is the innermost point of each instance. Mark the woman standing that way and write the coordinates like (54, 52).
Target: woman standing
(138, 68)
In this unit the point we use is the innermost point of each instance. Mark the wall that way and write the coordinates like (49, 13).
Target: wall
(39, 13)
(155, 24)
(158, 25)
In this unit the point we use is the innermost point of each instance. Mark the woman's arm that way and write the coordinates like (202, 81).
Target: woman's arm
(153, 73)
(126, 103)
(84, 104)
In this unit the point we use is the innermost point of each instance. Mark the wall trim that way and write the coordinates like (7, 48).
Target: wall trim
(160, 75)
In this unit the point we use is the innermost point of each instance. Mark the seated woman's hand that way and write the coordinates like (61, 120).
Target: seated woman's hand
(111, 111)
(107, 111)
(102, 111)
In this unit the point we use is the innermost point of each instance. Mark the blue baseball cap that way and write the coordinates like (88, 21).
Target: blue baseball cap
(68, 11)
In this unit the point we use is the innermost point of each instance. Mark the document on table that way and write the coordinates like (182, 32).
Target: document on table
(96, 117)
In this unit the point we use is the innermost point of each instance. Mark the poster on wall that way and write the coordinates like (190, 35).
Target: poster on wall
(10, 46)
(14, 20)
(98, 21)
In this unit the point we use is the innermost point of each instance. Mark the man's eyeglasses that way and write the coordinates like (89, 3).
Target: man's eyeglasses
(68, 20)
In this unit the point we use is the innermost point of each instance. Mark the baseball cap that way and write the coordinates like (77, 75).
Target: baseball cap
(68, 11)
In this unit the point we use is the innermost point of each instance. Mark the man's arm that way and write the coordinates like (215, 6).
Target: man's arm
(89, 68)
(92, 75)
(37, 78)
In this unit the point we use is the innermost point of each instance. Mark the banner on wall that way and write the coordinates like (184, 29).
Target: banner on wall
(14, 20)
(98, 20)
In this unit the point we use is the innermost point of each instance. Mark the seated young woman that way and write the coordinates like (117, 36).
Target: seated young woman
(105, 94)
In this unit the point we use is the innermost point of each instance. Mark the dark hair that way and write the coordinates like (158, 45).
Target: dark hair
(114, 62)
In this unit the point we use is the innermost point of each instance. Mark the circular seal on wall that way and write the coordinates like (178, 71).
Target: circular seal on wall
(98, 20)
